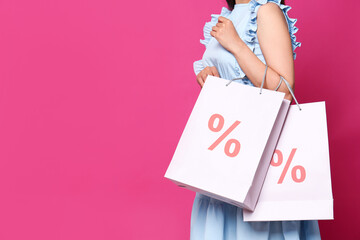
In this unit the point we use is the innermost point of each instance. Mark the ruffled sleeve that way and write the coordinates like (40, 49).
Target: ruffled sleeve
(251, 27)
(199, 65)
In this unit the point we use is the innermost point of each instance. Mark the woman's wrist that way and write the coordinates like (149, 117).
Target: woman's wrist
(238, 47)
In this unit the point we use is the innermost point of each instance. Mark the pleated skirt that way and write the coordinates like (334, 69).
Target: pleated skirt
(212, 219)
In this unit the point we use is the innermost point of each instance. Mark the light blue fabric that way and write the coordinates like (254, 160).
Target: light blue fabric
(244, 17)
(212, 219)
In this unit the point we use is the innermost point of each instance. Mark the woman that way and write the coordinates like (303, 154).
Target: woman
(238, 44)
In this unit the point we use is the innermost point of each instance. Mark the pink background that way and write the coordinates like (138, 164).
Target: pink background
(94, 96)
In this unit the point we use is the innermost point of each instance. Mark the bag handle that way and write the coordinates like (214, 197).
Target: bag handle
(233, 80)
(281, 80)
(262, 83)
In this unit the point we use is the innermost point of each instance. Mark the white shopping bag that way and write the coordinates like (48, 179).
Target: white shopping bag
(298, 182)
(228, 141)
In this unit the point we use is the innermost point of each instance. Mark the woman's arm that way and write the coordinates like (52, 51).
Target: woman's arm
(275, 43)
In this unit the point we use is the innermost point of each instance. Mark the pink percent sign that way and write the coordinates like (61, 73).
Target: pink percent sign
(287, 165)
(218, 128)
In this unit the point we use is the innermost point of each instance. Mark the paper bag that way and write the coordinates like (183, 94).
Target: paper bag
(228, 141)
(298, 182)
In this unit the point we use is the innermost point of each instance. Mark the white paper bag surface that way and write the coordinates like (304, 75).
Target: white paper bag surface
(227, 144)
(298, 182)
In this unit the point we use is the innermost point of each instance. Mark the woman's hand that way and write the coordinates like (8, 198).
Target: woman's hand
(225, 33)
(201, 77)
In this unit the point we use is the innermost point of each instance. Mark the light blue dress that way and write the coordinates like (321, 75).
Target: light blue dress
(212, 219)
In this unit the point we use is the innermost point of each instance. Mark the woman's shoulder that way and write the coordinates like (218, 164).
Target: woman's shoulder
(273, 7)
(249, 34)
(269, 7)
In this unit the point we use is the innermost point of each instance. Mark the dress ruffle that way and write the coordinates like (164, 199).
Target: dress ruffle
(249, 34)
(251, 27)
(199, 65)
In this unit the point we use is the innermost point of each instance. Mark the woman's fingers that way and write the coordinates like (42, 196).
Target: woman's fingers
(201, 77)
(204, 76)
(201, 82)
(222, 19)
(214, 72)
(198, 79)
(215, 28)
(219, 25)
